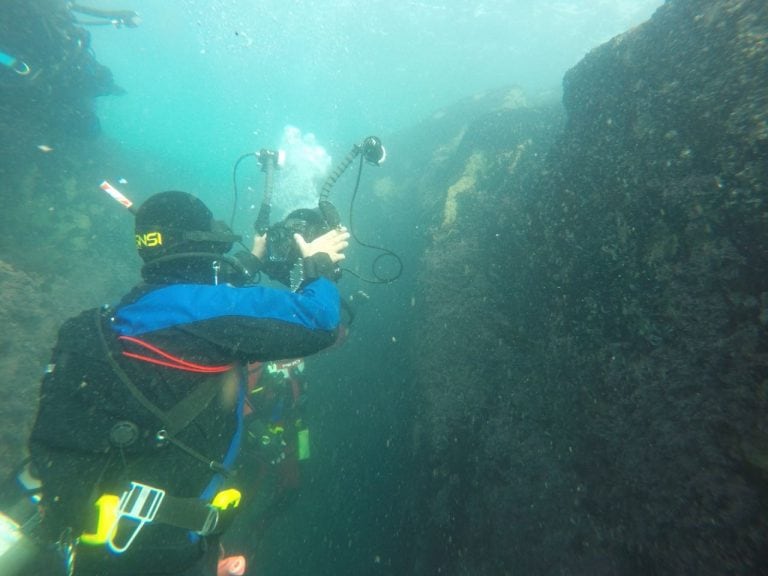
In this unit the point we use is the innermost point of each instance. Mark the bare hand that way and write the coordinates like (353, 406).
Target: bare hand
(332, 243)
(259, 246)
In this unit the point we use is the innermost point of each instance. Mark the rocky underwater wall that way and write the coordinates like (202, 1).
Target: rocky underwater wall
(50, 78)
(593, 350)
(59, 237)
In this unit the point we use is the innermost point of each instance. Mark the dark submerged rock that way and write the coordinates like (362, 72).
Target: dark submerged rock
(55, 98)
(592, 354)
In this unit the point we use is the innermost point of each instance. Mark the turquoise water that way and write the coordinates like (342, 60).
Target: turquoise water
(209, 80)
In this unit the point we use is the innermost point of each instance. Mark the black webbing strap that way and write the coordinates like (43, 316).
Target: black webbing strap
(182, 413)
(188, 513)
(124, 378)
(186, 410)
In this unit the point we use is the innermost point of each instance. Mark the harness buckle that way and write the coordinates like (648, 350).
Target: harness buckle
(138, 504)
(211, 522)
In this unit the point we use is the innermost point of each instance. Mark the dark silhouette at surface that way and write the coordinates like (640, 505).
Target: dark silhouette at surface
(50, 89)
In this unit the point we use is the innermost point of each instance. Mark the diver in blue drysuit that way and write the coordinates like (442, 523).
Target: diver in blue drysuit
(144, 400)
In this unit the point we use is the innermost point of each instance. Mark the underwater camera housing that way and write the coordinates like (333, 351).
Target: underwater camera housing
(282, 251)
(281, 246)
(282, 260)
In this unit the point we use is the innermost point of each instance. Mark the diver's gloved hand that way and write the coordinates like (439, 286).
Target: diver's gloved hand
(316, 266)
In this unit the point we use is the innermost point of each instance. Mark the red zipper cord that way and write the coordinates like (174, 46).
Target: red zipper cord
(170, 361)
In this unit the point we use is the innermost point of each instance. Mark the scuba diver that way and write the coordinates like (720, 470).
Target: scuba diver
(277, 435)
(141, 408)
(48, 71)
(276, 441)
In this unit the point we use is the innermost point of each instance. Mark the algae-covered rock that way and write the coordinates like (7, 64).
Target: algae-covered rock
(592, 343)
(467, 184)
(62, 251)
(24, 341)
